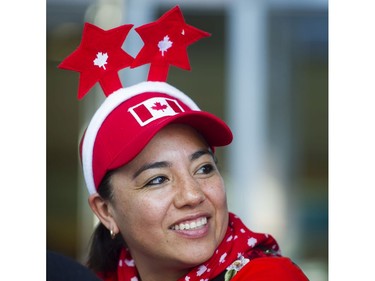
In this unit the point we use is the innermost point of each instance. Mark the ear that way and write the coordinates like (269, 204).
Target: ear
(103, 211)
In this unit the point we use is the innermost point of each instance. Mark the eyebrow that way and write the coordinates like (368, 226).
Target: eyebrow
(147, 166)
(166, 164)
(200, 153)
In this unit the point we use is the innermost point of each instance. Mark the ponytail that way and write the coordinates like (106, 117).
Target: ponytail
(104, 251)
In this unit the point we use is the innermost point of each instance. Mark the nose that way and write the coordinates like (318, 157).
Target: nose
(189, 193)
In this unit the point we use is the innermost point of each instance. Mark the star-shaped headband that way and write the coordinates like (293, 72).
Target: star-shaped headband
(100, 56)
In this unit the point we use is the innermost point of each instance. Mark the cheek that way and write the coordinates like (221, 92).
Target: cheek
(215, 191)
(139, 211)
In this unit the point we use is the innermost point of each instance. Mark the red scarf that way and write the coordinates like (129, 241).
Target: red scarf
(238, 241)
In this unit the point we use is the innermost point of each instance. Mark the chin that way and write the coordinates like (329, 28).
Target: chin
(197, 256)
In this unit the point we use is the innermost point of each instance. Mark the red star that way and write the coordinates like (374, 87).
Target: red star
(98, 58)
(165, 43)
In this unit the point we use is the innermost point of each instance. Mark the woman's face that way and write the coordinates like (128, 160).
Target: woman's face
(170, 202)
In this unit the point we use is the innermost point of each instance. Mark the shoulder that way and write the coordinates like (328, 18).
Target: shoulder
(63, 268)
(270, 268)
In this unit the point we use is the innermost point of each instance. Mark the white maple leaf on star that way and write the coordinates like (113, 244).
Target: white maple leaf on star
(101, 59)
(164, 44)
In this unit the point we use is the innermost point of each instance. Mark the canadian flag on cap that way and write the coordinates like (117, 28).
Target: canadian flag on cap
(155, 108)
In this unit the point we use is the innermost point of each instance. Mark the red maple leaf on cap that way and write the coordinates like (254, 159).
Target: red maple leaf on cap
(165, 43)
(99, 57)
(159, 106)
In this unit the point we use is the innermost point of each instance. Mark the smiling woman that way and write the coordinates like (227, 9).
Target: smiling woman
(174, 205)
(149, 165)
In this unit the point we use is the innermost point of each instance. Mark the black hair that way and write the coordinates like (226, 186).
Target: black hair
(104, 251)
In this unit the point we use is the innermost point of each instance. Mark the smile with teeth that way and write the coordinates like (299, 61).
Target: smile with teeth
(190, 225)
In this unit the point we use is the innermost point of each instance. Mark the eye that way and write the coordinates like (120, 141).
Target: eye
(156, 181)
(205, 169)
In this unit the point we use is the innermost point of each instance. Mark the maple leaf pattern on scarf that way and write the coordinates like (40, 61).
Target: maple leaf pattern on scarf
(238, 242)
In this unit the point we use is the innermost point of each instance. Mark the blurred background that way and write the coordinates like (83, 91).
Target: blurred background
(264, 70)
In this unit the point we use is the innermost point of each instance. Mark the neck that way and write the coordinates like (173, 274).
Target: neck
(160, 274)
(155, 271)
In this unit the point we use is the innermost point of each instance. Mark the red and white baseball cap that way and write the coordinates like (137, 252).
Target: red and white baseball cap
(130, 117)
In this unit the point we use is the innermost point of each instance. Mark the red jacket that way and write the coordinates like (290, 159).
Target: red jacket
(270, 269)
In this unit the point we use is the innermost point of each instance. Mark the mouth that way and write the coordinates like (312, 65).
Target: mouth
(190, 224)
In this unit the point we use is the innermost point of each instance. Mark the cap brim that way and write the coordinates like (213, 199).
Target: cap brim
(215, 131)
